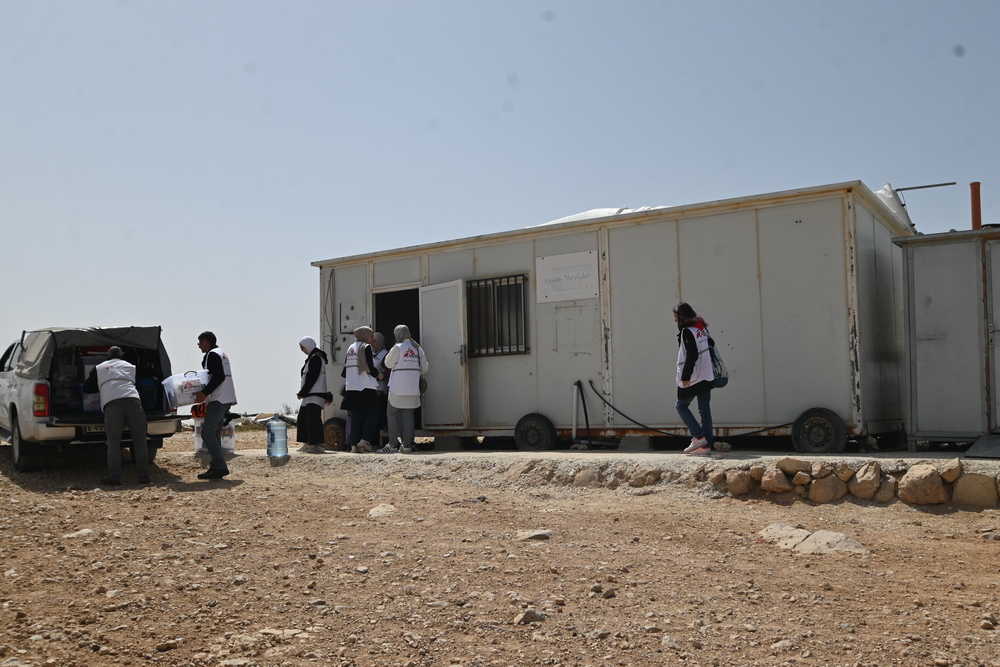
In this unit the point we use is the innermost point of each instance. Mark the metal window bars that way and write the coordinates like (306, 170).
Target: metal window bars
(497, 316)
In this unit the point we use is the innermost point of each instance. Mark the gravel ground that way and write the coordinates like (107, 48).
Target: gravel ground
(476, 558)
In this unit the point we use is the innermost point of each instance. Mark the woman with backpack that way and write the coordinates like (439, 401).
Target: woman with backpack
(694, 377)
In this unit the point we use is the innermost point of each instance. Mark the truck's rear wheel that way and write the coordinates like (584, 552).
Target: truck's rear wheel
(534, 432)
(27, 454)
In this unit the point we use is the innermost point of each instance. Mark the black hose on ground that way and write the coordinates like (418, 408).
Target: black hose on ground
(606, 402)
(656, 430)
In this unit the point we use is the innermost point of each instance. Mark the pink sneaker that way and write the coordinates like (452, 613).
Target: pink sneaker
(695, 444)
(701, 451)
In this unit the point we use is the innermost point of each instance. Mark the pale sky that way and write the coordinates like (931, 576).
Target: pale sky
(181, 163)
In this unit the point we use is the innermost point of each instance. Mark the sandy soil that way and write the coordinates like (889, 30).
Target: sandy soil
(341, 559)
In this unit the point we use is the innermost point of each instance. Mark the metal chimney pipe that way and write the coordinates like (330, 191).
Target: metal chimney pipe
(977, 206)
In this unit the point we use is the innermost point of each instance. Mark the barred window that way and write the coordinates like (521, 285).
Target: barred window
(497, 316)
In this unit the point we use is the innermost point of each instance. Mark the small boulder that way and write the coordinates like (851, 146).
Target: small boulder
(827, 489)
(615, 477)
(739, 482)
(775, 481)
(385, 509)
(83, 532)
(529, 615)
(757, 471)
(886, 489)
(821, 469)
(783, 536)
(922, 485)
(645, 477)
(802, 478)
(843, 471)
(950, 470)
(717, 476)
(866, 481)
(825, 542)
(790, 465)
(975, 489)
(518, 470)
(588, 477)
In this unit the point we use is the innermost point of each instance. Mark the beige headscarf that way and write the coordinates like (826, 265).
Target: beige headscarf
(363, 334)
(401, 333)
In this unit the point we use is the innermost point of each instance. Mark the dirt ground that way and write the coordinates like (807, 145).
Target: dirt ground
(346, 559)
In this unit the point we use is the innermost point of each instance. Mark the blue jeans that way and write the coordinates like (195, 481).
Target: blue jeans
(211, 433)
(704, 429)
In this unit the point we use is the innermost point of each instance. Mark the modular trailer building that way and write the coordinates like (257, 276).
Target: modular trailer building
(952, 290)
(802, 291)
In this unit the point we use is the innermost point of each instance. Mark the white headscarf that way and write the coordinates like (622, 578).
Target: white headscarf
(309, 343)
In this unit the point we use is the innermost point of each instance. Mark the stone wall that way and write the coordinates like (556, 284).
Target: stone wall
(923, 483)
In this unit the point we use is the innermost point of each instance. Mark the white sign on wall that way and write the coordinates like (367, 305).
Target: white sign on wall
(567, 277)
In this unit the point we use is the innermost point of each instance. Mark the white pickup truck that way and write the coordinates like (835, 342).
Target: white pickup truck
(42, 403)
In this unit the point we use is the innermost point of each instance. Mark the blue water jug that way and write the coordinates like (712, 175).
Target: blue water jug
(277, 437)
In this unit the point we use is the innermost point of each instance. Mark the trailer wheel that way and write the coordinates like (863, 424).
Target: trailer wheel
(819, 431)
(335, 433)
(27, 455)
(534, 432)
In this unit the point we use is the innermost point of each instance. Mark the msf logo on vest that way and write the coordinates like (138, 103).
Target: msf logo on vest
(409, 353)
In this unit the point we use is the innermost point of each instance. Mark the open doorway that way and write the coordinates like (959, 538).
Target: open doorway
(395, 308)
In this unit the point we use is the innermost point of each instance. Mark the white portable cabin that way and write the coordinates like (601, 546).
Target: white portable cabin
(801, 290)
(952, 290)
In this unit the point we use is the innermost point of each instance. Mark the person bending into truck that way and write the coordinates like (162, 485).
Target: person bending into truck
(407, 362)
(313, 394)
(115, 380)
(694, 377)
(219, 395)
(361, 391)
